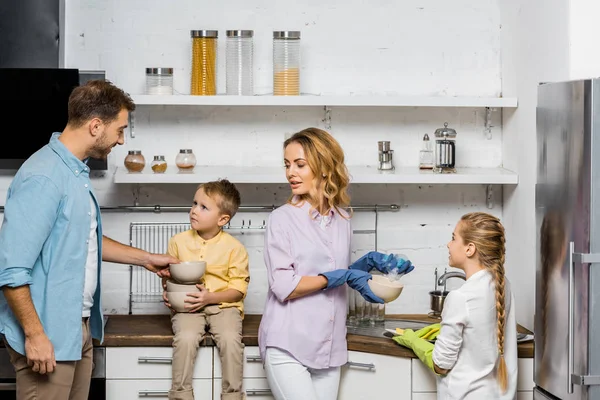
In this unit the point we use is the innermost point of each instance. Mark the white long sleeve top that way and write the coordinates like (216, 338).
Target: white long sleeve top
(467, 343)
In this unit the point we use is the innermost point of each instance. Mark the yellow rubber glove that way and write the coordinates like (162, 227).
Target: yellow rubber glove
(421, 347)
(430, 332)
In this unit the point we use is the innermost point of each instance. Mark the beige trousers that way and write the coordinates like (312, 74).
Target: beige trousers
(70, 380)
(225, 326)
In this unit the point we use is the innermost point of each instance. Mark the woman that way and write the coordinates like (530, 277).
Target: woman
(302, 334)
(475, 355)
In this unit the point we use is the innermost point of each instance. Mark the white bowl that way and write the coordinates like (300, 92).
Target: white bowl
(173, 286)
(384, 288)
(177, 293)
(188, 272)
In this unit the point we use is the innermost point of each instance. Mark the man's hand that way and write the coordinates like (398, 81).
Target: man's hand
(159, 264)
(198, 300)
(40, 353)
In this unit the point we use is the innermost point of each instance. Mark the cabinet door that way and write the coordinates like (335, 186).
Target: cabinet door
(253, 366)
(255, 388)
(425, 396)
(423, 379)
(525, 376)
(129, 389)
(151, 363)
(368, 376)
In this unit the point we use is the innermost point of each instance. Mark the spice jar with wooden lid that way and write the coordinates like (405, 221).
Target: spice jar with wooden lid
(135, 161)
(185, 160)
(159, 165)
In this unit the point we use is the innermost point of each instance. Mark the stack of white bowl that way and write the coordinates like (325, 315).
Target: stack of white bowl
(184, 277)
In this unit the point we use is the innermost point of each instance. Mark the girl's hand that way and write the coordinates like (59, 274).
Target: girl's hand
(198, 300)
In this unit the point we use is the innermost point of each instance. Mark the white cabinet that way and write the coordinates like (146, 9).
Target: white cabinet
(152, 363)
(424, 382)
(370, 376)
(131, 389)
(140, 372)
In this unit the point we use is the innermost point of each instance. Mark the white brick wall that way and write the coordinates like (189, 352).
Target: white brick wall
(409, 47)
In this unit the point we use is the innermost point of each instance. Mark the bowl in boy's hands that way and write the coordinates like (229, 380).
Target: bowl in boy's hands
(385, 288)
(188, 272)
(177, 293)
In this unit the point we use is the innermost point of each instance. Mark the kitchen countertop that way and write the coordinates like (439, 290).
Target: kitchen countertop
(155, 330)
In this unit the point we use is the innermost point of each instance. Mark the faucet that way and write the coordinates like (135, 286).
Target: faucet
(453, 274)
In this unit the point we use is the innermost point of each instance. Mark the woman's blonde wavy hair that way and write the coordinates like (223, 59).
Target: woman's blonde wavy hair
(487, 234)
(325, 158)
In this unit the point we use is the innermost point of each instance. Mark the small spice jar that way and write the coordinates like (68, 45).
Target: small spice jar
(135, 161)
(159, 165)
(185, 160)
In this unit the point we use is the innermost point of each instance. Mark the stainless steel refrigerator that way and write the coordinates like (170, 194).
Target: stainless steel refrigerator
(567, 197)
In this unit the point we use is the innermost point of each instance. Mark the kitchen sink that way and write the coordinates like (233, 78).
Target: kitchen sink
(378, 329)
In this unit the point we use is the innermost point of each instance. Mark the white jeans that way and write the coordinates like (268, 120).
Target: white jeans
(290, 380)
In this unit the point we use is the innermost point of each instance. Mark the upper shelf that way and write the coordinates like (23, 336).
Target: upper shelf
(404, 175)
(329, 101)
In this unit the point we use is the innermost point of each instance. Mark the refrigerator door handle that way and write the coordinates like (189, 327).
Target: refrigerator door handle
(570, 348)
(579, 258)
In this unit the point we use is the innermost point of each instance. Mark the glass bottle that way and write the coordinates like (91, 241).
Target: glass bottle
(159, 81)
(135, 161)
(185, 160)
(159, 165)
(426, 154)
(204, 63)
(286, 63)
(239, 63)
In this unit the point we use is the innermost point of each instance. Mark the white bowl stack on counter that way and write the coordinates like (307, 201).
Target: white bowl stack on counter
(184, 277)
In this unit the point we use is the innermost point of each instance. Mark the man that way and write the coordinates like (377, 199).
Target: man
(51, 247)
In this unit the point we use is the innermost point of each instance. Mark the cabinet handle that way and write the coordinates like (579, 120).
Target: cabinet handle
(258, 392)
(155, 360)
(153, 393)
(253, 359)
(370, 366)
(8, 386)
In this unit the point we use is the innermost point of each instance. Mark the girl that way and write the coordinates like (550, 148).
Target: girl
(302, 334)
(475, 355)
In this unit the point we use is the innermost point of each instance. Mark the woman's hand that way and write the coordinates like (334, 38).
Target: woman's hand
(198, 300)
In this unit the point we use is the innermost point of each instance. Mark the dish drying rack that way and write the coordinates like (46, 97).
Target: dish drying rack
(145, 286)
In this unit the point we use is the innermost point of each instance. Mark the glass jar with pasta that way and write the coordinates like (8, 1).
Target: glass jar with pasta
(286, 63)
(204, 63)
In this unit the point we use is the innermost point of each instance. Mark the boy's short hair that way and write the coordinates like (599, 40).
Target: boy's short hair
(228, 197)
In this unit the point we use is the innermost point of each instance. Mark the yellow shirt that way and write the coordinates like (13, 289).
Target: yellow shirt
(226, 261)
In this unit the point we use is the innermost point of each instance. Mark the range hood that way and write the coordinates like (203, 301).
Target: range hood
(31, 33)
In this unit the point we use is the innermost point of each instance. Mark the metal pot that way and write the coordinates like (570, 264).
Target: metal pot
(437, 298)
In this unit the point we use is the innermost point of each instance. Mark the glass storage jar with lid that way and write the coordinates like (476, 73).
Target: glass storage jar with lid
(286, 63)
(135, 161)
(159, 81)
(185, 160)
(159, 165)
(239, 63)
(204, 63)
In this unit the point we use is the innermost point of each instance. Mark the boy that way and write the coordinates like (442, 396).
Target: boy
(218, 306)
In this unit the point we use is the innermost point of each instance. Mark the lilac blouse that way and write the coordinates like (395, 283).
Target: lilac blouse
(311, 328)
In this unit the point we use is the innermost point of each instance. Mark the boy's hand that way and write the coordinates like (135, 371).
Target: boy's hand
(198, 300)
(166, 300)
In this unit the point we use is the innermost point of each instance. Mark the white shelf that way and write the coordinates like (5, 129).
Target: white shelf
(330, 101)
(406, 175)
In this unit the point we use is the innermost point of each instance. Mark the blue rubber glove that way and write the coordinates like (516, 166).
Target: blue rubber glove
(356, 279)
(383, 263)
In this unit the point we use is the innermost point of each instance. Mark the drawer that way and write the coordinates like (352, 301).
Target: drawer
(129, 389)
(151, 363)
(253, 365)
(525, 377)
(425, 396)
(255, 388)
(423, 379)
